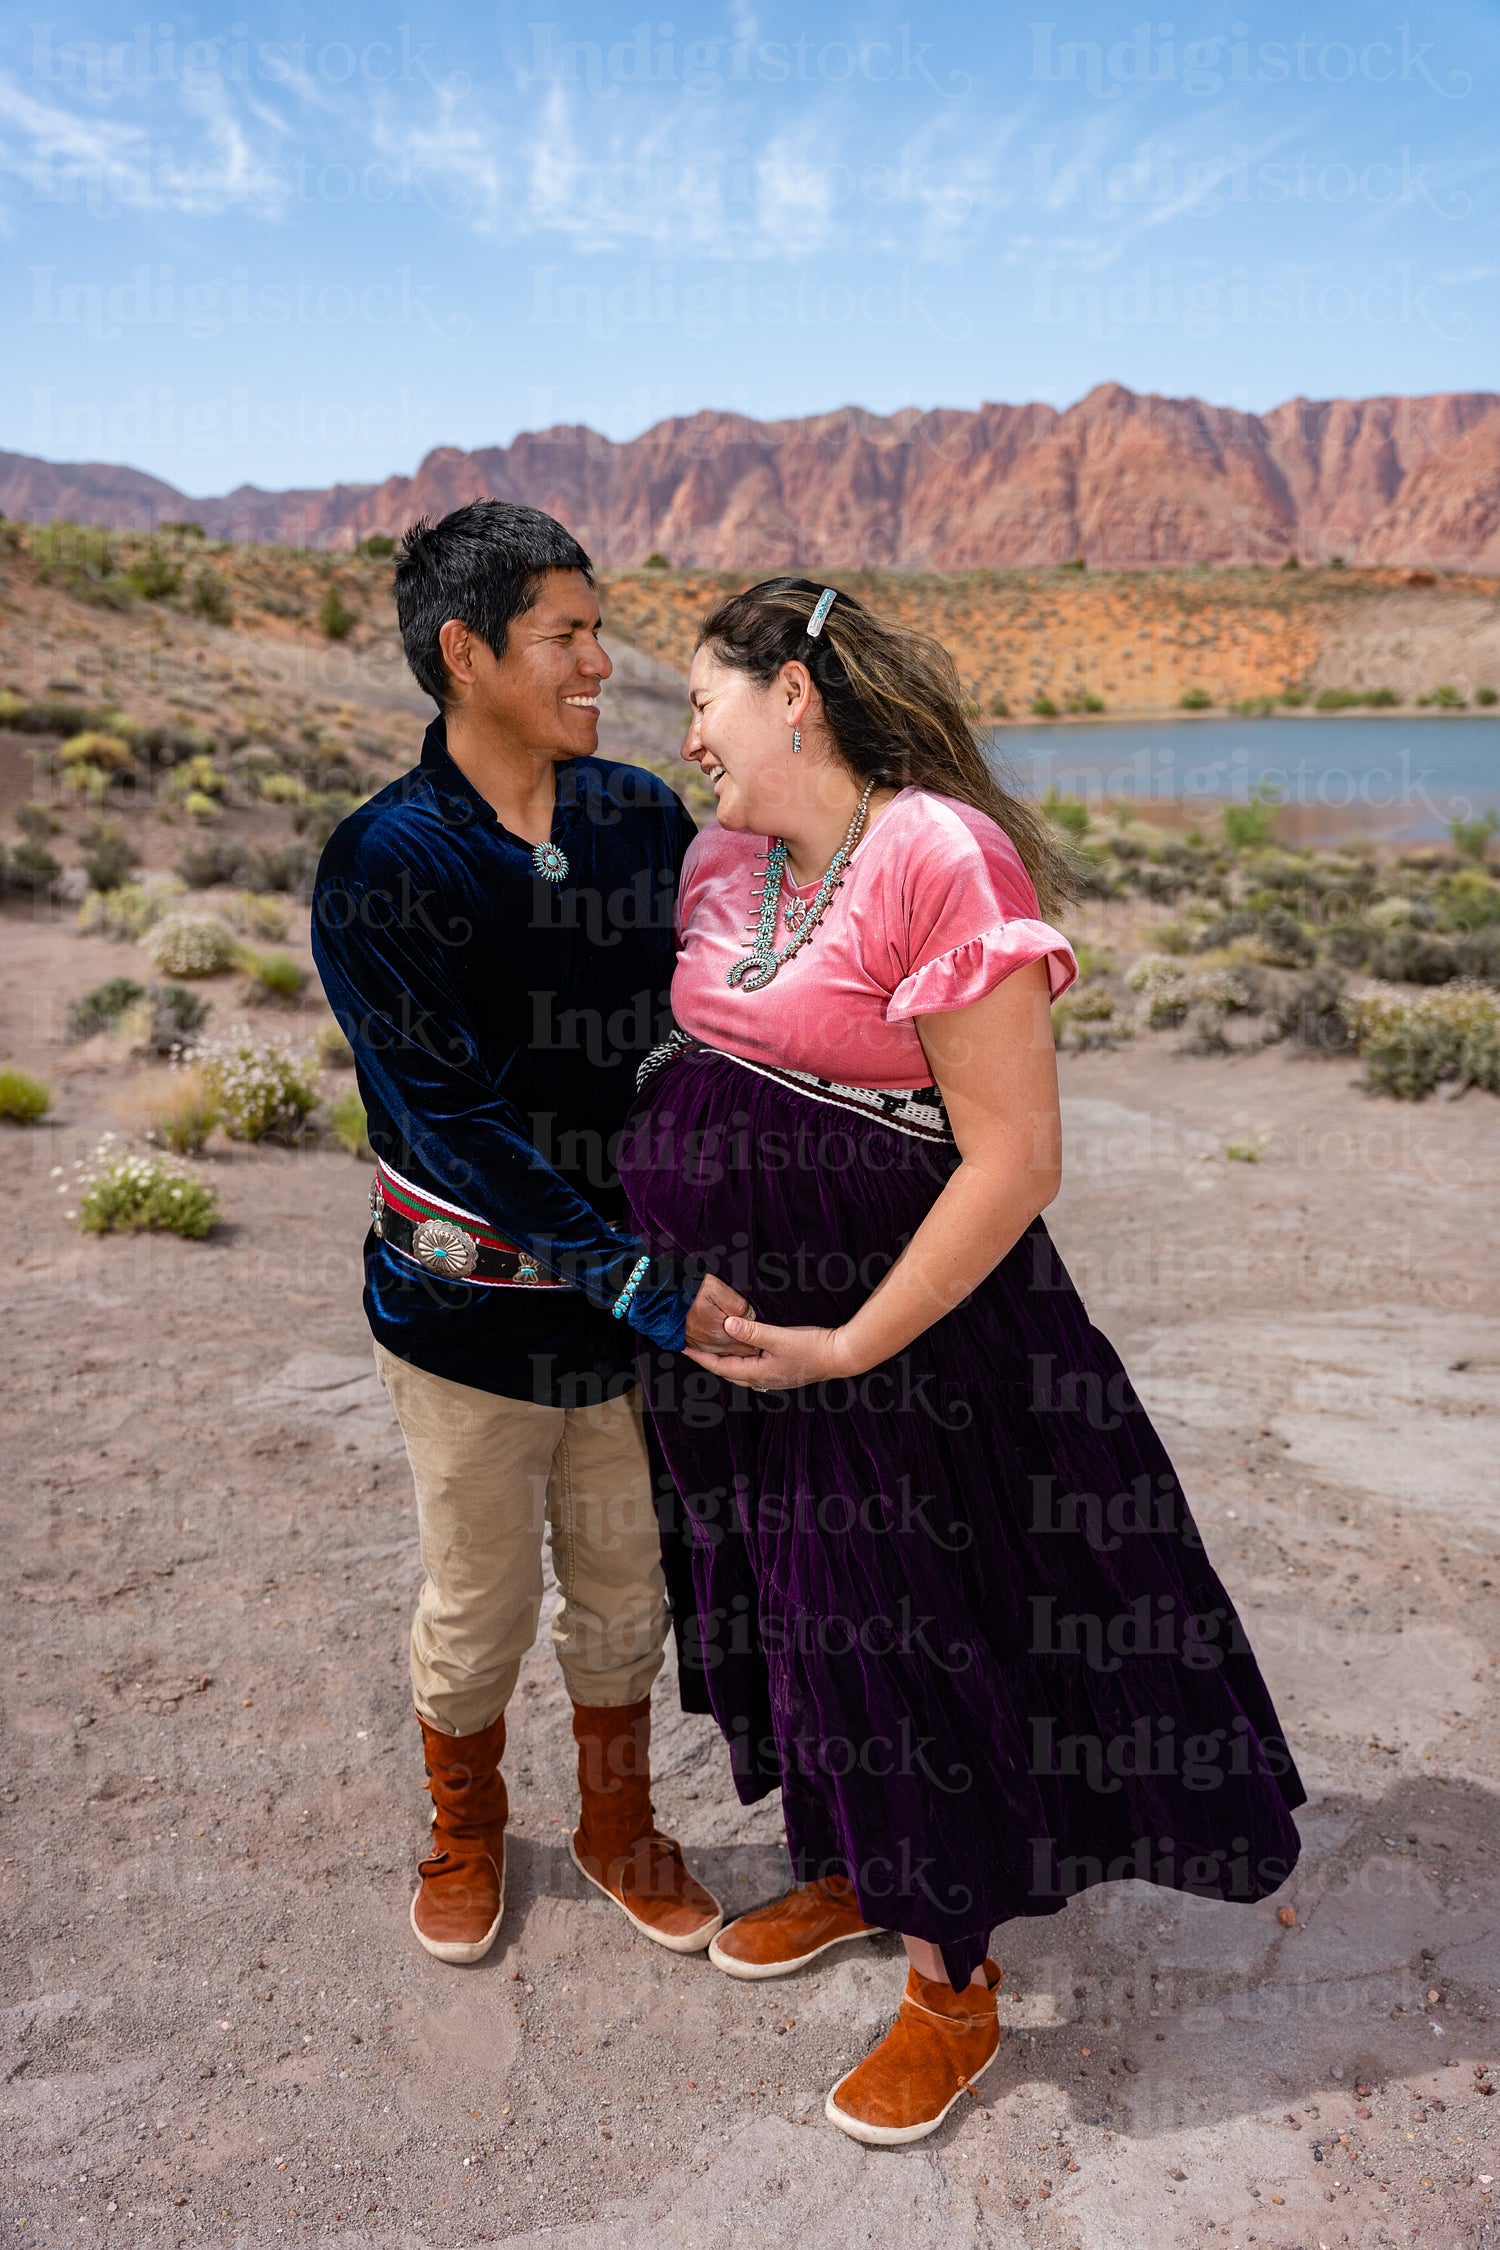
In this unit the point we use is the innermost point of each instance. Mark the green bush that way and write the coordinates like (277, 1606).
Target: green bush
(1247, 827)
(155, 575)
(23, 1100)
(128, 913)
(1043, 707)
(263, 1092)
(1468, 900)
(29, 866)
(1070, 814)
(1413, 957)
(334, 615)
(1312, 1014)
(281, 867)
(141, 1194)
(1488, 697)
(1337, 699)
(1471, 838)
(275, 976)
(332, 1048)
(22, 714)
(347, 1123)
(999, 708)
(1195, 699)
(164, 1020)
(1410, 1046)
(101, 1009)
(110, 857)
(211, 598)
(212, 861)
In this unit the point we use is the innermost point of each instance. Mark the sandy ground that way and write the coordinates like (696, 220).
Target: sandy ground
(215, 2022)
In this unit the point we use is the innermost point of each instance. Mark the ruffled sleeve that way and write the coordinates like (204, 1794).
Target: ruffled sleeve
(970, 914)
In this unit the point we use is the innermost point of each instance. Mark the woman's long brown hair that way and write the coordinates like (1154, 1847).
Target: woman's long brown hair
(893, 705)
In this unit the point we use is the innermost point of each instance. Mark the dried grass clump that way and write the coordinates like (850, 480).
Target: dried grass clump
(175, 1109)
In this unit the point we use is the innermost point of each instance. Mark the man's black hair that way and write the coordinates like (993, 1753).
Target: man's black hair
(484, 563)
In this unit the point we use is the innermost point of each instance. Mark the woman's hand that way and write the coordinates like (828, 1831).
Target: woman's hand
(789, 1357)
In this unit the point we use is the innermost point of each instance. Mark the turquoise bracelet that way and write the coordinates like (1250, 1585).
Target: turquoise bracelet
(621, 1305)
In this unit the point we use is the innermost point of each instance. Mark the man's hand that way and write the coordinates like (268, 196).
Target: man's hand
(715, 1303)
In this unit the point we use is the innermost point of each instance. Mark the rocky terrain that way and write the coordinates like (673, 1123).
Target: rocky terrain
(1123, 480)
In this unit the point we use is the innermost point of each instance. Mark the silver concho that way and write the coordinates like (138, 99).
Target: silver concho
(446, 1249)
(377, 1208)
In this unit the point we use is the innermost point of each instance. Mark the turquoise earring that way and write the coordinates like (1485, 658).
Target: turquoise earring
(796, 740)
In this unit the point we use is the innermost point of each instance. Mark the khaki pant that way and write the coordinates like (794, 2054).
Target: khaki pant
(490, 1474)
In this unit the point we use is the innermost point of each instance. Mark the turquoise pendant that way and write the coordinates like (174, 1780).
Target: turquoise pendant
(550, 862)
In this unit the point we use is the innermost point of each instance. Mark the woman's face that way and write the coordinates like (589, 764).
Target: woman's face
(741, 738)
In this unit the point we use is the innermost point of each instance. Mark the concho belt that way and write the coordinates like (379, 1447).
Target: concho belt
(446, 1240)
(918, 1111)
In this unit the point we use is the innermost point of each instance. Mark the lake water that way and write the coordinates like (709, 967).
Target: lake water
(1398, 778)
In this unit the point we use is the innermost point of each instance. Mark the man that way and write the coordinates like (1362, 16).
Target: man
(494, 934)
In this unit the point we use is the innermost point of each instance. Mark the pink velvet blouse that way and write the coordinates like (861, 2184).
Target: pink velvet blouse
(936, 909)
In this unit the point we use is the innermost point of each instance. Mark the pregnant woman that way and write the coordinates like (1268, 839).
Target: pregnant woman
(934, 1575)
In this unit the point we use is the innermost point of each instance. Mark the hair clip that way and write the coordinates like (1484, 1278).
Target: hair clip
(826, 601)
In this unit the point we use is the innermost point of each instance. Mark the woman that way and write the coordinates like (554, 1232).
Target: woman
(945, 1591)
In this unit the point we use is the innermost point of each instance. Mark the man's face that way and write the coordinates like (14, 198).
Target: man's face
(543, 693)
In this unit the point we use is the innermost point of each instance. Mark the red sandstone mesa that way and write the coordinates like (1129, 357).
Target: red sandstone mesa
(1120, 479)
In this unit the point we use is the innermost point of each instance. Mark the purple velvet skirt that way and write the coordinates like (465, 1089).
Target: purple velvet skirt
(956, 1608)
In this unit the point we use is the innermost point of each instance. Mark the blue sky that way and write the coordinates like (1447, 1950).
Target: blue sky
(240, 250)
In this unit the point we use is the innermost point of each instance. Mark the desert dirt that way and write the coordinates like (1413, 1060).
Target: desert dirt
(216, 2024)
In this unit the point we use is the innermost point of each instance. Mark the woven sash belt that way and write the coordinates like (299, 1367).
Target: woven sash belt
(446, 1240)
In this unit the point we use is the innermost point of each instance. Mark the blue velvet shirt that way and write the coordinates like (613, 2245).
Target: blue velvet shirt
(497, 1021)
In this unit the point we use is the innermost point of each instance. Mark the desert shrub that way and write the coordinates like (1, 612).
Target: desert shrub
(1279, 939)
(165, 1019)
(1070, 814)
(1163, 987)
(1089, 1018)
(111, 753)
(1043, 707)
(101, 1009)
(1157, 881)
(332, 1048)
(192, 945)
(29, 866)
(1478, 955)
(211, 861)
(1468, 900)
(377, 544)
(110, 857)
(320, 813)
(259, 914)
(1247, 827)
(999, 708)
(1409, 1046)
(138, 1194)
(335, 616)
(23, 714)
(1411, 956)
(196, 776)
(347, 1123)
(1195, 699)
(282, 867)
(24, 1100)
(264, 1092)
(210, 598)
(283, 789)
(171, 745)
(155, 575)
(1383, 698)
(1338, 699)
(173, 1108)
(1471, 838)
(1487, 697)
(274, 976)
(129, 912)
(1311, 1013)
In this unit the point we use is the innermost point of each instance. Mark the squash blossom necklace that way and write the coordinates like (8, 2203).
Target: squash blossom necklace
(760, 964)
